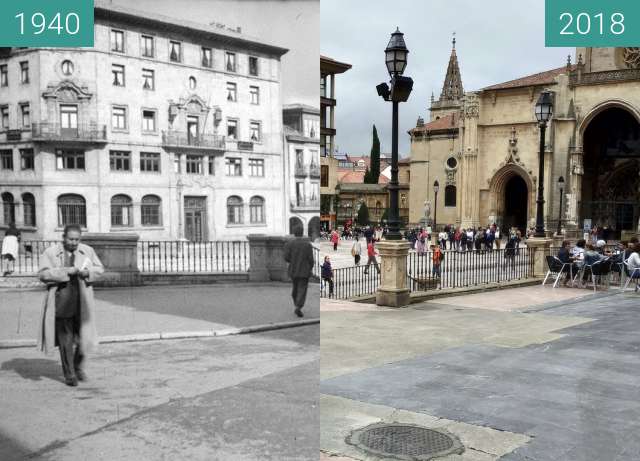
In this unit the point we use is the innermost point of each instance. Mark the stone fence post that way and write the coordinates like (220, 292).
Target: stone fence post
(266, 256)
(393, 290)
(541, 248)
(119, 255)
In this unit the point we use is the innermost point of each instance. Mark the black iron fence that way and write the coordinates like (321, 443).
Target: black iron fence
(351, 282)
(28, 260)
(200, 257)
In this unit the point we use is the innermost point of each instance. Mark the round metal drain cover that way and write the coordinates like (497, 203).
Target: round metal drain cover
(405, 441)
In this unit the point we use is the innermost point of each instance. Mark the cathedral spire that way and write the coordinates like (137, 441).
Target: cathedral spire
(452, 89)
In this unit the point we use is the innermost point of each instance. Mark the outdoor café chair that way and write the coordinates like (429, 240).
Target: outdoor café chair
(631, 275)
(557, 267)
(600, 271)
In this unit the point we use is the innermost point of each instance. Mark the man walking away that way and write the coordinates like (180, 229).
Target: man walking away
(356, 251)
(371, 253)
(327, 274)
(67, 318)
(298, 252)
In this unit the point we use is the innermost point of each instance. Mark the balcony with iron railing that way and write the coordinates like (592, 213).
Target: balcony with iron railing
(300, 170)
(185, 140)
(314, 171)
(85, 133)
(305, 205)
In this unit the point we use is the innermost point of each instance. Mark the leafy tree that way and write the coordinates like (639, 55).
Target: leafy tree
(373, 173)
(363, 215)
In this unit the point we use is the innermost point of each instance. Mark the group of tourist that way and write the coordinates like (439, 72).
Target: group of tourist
(464, 239)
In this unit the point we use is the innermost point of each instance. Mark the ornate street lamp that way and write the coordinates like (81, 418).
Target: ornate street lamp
(543, 111)
(398, 91)
(561, 186)
(436, 188)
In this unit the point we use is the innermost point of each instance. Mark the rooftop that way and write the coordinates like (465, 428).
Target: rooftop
(446, 122)
(542, 78)
(331, 66)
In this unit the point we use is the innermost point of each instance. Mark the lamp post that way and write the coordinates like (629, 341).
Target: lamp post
(436, 188)
(543, 111)
(561, 185)
(398, 91)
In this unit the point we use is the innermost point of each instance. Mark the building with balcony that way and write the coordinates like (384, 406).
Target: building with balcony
(165, 128)
(302, 167)
(328, 163)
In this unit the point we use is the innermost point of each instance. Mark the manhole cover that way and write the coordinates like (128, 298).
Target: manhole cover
(405, 441)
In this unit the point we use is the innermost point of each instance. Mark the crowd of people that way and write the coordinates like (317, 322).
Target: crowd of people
(465, 239)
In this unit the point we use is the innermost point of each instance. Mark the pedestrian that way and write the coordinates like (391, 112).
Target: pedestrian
(368, 233)
(67, 320)
(463, 240)
(436, 258)
(371, 254)
(496, 235)
(298, 252)
(356, 251)
(327, 274)
(470, 236)
(421, 241)
(335, 238)
(10, 247)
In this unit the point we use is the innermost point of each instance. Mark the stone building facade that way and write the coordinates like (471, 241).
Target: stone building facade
(483, 146)
(165, 128)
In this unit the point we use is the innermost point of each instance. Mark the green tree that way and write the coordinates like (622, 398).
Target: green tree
(372, 174)
(363, 215)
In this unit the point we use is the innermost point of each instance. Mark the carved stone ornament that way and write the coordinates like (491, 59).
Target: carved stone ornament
(66, 91)
(471, 105)
(631, 57)
(451, 178)
(512, 158)
(576, 165)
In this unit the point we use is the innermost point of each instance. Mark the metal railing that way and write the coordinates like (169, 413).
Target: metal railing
(184, 139)
(28, 259)
(47, 131)
(351, 282)
(317, 263)
(193, 257)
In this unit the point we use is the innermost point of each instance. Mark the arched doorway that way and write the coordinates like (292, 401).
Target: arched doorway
(611, 180)
(516, 204)
(296, 226)
(314, 228)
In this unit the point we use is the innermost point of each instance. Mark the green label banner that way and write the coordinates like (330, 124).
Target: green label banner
(45, 23)
(592, 23)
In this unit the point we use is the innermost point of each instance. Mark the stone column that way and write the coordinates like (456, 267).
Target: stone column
(393, 290)
(258, 271)
(540, 248)
(266, 258)
(119, 256)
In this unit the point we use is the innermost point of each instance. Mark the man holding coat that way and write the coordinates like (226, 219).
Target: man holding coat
(67, 320)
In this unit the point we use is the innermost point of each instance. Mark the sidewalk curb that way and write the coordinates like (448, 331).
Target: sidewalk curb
(17, 343)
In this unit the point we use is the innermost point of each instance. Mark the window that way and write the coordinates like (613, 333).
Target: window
(72, 210)
(232, 129)
(149, 121)
(206, 57)
(118, 74)
(4, 75)
(234, 210)
(8, 209)
(120, 160)
(148, 79)
(177, 168)
(194, 164)
(24, 72)
(232, 92)
(450, 196)
(300, 197)
(150, 210)
(69, 159)
(256, 210)
(299, 160)
(150, 162)
(26, 159)
(254, 91)
(67, 67)
(6, 159)
(212, 165)
(117, 41)
(148, 46)
(4, 113)
(193, 83)
(29, 209)
(234, 166)
(121, 211)
(452, 162)
(315, 193)
(230, 59)
(324, 175)
(175, 51)
(25, 115)
(254, 130)
(253, 65)
(119, 118)
(69, 117)
(256, 167)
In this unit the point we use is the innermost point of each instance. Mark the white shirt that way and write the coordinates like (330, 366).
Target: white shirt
(634, 261)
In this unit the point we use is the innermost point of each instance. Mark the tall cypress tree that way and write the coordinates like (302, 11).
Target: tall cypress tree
(374, 170)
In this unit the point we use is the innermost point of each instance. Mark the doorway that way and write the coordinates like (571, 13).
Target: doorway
(195, 219)
(516, 204)
(193, 130)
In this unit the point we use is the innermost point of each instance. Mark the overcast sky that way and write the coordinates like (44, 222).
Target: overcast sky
(497, 40)
(292, 24)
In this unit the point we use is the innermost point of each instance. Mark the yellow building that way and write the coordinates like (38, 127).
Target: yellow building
(482, 147)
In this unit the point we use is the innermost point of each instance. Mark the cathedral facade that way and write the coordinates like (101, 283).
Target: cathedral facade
(483, 148)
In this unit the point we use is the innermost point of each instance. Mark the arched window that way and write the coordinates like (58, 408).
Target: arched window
(150, 210)
(256, 210)
(121, 211)
(234, 210)
(8, 209)
(450, 196)
(72, 210)
(29, 209)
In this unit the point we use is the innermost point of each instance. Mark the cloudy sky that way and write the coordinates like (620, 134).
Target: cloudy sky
(292, 24)
(497, 40)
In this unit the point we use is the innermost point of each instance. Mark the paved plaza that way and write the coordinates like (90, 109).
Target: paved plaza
(531, 373)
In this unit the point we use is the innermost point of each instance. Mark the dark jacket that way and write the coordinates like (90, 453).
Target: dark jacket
(327, 272)
(298, 252)
(563, 255)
